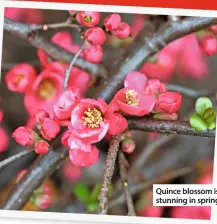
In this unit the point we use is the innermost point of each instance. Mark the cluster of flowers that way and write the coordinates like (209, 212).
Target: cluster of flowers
(3, 134)
(90, 120)
(42, 197)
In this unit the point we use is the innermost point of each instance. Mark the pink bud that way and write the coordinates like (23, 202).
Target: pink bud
(4, 140)
(89, 19)
(155, 86)
(24, 136)
(64, 138)
(123, 31)
(65, 105)
(49, 128)
(41, 147)
(169, 102)
(112, 21)
(166, 116)
(93, 54)
(20, 175)
(1, 116)
(128, 145)
(208, 44)
(213, 28)
(43, 201)
(95, 36)
(20, 77)
(41, 115)
(72, 172)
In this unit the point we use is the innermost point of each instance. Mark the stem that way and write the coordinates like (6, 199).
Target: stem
(108, 172)
(123, 164)
(167, 127)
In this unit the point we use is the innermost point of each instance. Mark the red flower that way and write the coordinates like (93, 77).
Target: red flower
(133, 102)
(95, 36)
(20, 77)
(123, 31)
(135, 80)
(208, 44)
(88, 120)
(41, 115)
(1, 116)
(43, 58)
(155, 86)
(41, 147)
(93, 53)
(89, 19)
(4, 140)
(43, 201)
(64, 138)
(49, 128)
(112, 21)
(169, 102)
(24, 136)
(71, 172)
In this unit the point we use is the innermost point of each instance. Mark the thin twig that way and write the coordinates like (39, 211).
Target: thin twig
(123, 165)
(108, 172)
(190, 92)
(15, 157)
(69, 69)
(119, 197)
(167, 127)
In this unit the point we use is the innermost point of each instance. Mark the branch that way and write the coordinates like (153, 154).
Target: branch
(25, 32)
(123, 164)
(138, 55)
(190, 92)
(167, 127)
(108, 172)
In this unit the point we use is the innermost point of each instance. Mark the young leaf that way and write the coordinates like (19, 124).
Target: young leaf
(209, 115)
(81, 191)
(202, 104)
(197, 123)
(212, 125)
(92, 207)
(95, 193)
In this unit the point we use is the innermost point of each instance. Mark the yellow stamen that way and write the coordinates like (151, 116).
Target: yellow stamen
(88, 19)
(131, 98)
(92, 118)
(46, 89)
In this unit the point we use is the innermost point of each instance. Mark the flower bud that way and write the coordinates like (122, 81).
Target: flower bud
(43, 201)
(95, 36)
(49, 128)
(166, 116)
(41, 115)
(128, 145)
(93, 53)
(24, 136)
(112, 21)
(88, 18)
(41, 147)
(197, 123)
(169, 102)
(155, 86)
(208, 44)
(64, 138)
(202, 104)
(123, 31)
(20, 175)
(4, 140)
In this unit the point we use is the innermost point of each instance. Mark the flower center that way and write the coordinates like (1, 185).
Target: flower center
(18, 78)
(92, 118)
(88, 19)
(46, 89)
(131, 98)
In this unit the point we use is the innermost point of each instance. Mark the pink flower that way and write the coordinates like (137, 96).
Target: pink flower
(31, 122)
(138, 22)
(1, 116)
(43, 201)
(43, 58)
(112, 21)
(135, 80)
(123, 31)
(20, 77)
(41, 147)
(133, 102)
(88, 120)
(169, 102)
(4, 140)
(24, 136)
(49, 128)
(155, 86)
(20, 175)
(93, 53)
(41, 115)
(65, 105)
(208, 44)
(95, 36)
(64, 138)
(213, 28)
(89, 19)
(71, 172)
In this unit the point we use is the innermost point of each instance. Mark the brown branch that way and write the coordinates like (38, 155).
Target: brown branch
(25, 32)
(108, 172)
(123, 165)
(167, 127)
(138, 54)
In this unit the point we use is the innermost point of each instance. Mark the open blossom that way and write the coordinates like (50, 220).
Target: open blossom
(155, 86)
(20, 77)
(41, 147)
(95, 36)
(169, 102)
(112, 21)
(4, 140)
(49, 128)
(133, 102)
(24, 136)
(88, 18)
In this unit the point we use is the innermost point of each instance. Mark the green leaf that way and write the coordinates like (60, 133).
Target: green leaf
(81, 191)
(212, 125)
(92, 207)
(209, 115)
(197, 123)
(95, 193)
(202, 104)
